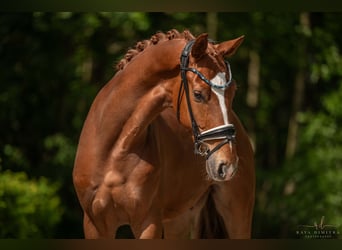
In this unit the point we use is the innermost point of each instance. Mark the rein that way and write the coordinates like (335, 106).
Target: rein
(226, 132)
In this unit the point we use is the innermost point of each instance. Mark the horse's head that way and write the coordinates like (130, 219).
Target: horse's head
(209, 91)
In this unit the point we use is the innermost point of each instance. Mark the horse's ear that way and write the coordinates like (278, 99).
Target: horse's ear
(200, 46)
(228, 48)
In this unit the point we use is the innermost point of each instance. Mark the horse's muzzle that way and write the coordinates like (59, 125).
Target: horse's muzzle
(222, 171)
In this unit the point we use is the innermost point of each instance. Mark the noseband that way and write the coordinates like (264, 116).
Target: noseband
(225, 133)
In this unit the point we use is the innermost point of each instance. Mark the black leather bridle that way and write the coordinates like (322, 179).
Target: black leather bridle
(225, 133)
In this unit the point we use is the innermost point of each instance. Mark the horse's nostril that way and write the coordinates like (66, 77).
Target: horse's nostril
(222, 170)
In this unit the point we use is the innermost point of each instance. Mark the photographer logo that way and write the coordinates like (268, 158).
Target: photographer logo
(318, 231)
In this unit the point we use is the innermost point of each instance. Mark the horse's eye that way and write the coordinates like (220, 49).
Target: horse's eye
(198, 96)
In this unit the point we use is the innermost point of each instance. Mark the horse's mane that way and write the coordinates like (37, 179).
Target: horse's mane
(158, 37)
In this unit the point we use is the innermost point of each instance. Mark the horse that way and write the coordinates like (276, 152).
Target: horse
(162, 150)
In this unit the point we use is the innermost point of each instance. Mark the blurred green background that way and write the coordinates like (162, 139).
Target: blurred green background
(289, 98)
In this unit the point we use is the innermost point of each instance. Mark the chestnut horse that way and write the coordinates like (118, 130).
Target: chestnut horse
(135, 163)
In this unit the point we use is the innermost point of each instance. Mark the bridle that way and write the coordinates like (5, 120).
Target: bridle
(225, 133)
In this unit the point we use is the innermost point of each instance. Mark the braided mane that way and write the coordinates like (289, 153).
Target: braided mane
(158, 37)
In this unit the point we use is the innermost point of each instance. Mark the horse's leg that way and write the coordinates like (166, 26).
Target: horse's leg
(179, 227)
(235, 205)
(149, 228)
(90, 231)
(100, 220)
(99, 229)
(145, 209)
(186, 225)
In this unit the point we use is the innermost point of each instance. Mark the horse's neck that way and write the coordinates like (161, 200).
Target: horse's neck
(136, 95)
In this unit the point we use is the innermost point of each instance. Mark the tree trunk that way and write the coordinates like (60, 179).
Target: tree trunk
(252, 95)
(299, 88)
(297, 101)
(212, 24)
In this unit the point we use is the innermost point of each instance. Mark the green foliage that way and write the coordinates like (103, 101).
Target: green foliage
(15, 157)
(322, 145)
(28, 208)
(309, 186)
(61, 153)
